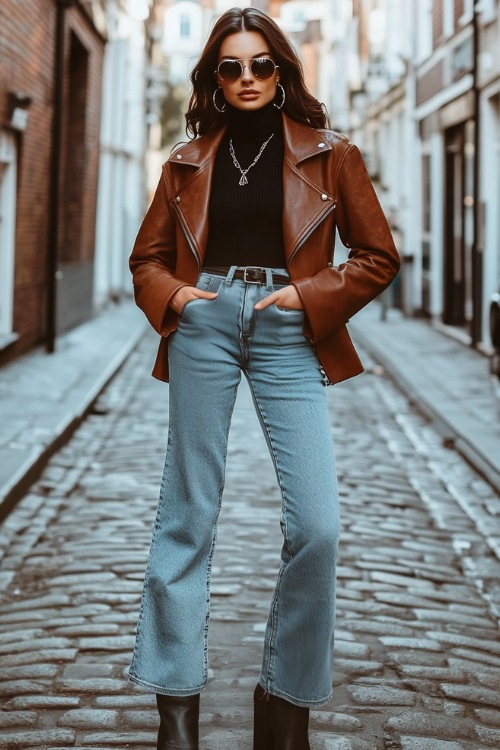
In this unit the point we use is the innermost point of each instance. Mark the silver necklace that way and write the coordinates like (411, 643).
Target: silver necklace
(244, 172)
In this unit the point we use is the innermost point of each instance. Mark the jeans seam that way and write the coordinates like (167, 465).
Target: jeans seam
(276, 464)
(204, 287)
(212, 547)
(138, 638)
(274, 605)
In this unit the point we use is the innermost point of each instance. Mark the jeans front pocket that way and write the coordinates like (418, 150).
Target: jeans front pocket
(205, 283)
(292, 312)
(188, 304)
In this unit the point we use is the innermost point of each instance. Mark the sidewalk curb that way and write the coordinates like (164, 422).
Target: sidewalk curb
(419, 399)
(12, 491)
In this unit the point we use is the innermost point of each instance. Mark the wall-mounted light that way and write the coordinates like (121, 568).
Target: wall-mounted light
(18, 112)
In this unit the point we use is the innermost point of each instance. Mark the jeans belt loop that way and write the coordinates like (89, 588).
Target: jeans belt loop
(229, 278)
(269, 280)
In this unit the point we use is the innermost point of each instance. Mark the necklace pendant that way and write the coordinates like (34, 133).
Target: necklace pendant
(243, 178)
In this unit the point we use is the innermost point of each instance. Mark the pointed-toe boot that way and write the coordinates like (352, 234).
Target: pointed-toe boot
(279, 724)
(179, 720)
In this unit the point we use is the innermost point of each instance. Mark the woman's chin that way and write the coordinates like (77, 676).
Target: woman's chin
(249, 104)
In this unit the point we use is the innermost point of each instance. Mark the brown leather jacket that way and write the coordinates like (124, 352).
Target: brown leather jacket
(325, 185)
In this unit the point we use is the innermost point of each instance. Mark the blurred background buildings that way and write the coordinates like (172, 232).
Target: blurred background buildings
(92, 94)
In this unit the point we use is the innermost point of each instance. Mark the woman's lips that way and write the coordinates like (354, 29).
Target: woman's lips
(249, 95)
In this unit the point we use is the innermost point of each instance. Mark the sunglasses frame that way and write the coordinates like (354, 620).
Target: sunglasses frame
(241, 60)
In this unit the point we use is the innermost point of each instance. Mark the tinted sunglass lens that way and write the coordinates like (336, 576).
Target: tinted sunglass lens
(230, 70)
(263, 68)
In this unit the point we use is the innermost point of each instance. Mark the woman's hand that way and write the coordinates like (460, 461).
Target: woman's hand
(286, 297)
(187, 293)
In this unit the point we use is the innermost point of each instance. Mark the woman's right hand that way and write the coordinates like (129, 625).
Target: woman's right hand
(185, 294)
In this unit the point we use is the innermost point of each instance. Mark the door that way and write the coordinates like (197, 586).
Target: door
(8, 186)
(459, 226)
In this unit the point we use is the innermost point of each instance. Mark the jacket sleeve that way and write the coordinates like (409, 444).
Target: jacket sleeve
(153, 262)
(335, 294)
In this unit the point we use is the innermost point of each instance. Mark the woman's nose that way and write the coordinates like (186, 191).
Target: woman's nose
(247, 72)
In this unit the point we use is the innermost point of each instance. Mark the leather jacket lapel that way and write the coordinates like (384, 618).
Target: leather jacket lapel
(192, 173)
(306, 154)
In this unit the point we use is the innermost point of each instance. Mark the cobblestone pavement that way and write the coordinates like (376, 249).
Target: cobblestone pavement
(417, 651)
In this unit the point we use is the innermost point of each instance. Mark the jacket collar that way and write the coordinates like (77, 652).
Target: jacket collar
(301, 142)
(198, 152)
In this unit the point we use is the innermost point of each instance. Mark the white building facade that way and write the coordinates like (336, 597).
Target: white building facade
(489, 164)
(374, 87)
(122, 183)
(427, 117)
(457, 112)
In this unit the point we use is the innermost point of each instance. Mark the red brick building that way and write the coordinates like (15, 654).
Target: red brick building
(51, 55)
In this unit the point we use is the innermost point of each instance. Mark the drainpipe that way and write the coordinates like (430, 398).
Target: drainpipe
(477, 243)
(55, 171)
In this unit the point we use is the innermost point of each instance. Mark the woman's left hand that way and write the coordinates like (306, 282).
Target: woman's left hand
(286, 297)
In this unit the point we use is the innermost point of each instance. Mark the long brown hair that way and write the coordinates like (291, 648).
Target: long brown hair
(300, 105)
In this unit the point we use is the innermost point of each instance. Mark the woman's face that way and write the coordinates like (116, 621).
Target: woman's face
(248, 92)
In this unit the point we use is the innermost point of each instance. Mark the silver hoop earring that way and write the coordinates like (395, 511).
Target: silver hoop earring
(224, 106)
(280, 106)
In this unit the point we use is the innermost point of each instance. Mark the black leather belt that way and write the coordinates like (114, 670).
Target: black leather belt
(250, 274)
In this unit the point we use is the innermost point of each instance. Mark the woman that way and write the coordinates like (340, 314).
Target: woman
(233, 268)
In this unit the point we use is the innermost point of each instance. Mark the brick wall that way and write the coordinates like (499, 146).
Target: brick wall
(430, 83)
(27, 52)
(459, 11)
(26, 65)
(437, 22)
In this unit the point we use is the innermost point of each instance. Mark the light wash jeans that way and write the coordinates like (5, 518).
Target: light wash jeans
(216, 340)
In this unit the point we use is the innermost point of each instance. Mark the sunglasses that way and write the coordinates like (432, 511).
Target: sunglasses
(231, 70)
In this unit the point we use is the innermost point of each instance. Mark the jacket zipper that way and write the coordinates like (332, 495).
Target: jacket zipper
(306, 237)
(187, 234)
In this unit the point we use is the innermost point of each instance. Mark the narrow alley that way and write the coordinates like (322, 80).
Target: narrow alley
(417, 649)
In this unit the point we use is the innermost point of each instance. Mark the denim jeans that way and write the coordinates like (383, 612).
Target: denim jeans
(217, 340)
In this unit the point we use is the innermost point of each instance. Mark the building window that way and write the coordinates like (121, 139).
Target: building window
(185, 26)
(462, 59)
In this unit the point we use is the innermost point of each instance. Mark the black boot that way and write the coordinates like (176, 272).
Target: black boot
(179, 716)
(279, 724)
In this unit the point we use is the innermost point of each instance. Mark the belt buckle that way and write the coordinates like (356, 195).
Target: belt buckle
(255, 269)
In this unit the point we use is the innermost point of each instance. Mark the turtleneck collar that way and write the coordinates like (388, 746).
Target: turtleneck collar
(244, 125)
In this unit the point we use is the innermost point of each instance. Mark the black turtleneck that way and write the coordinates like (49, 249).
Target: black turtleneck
(245, 222)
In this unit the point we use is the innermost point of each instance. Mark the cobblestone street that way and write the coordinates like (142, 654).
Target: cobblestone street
(417, 649)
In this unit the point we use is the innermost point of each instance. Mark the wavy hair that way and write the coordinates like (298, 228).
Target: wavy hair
(300, 105)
